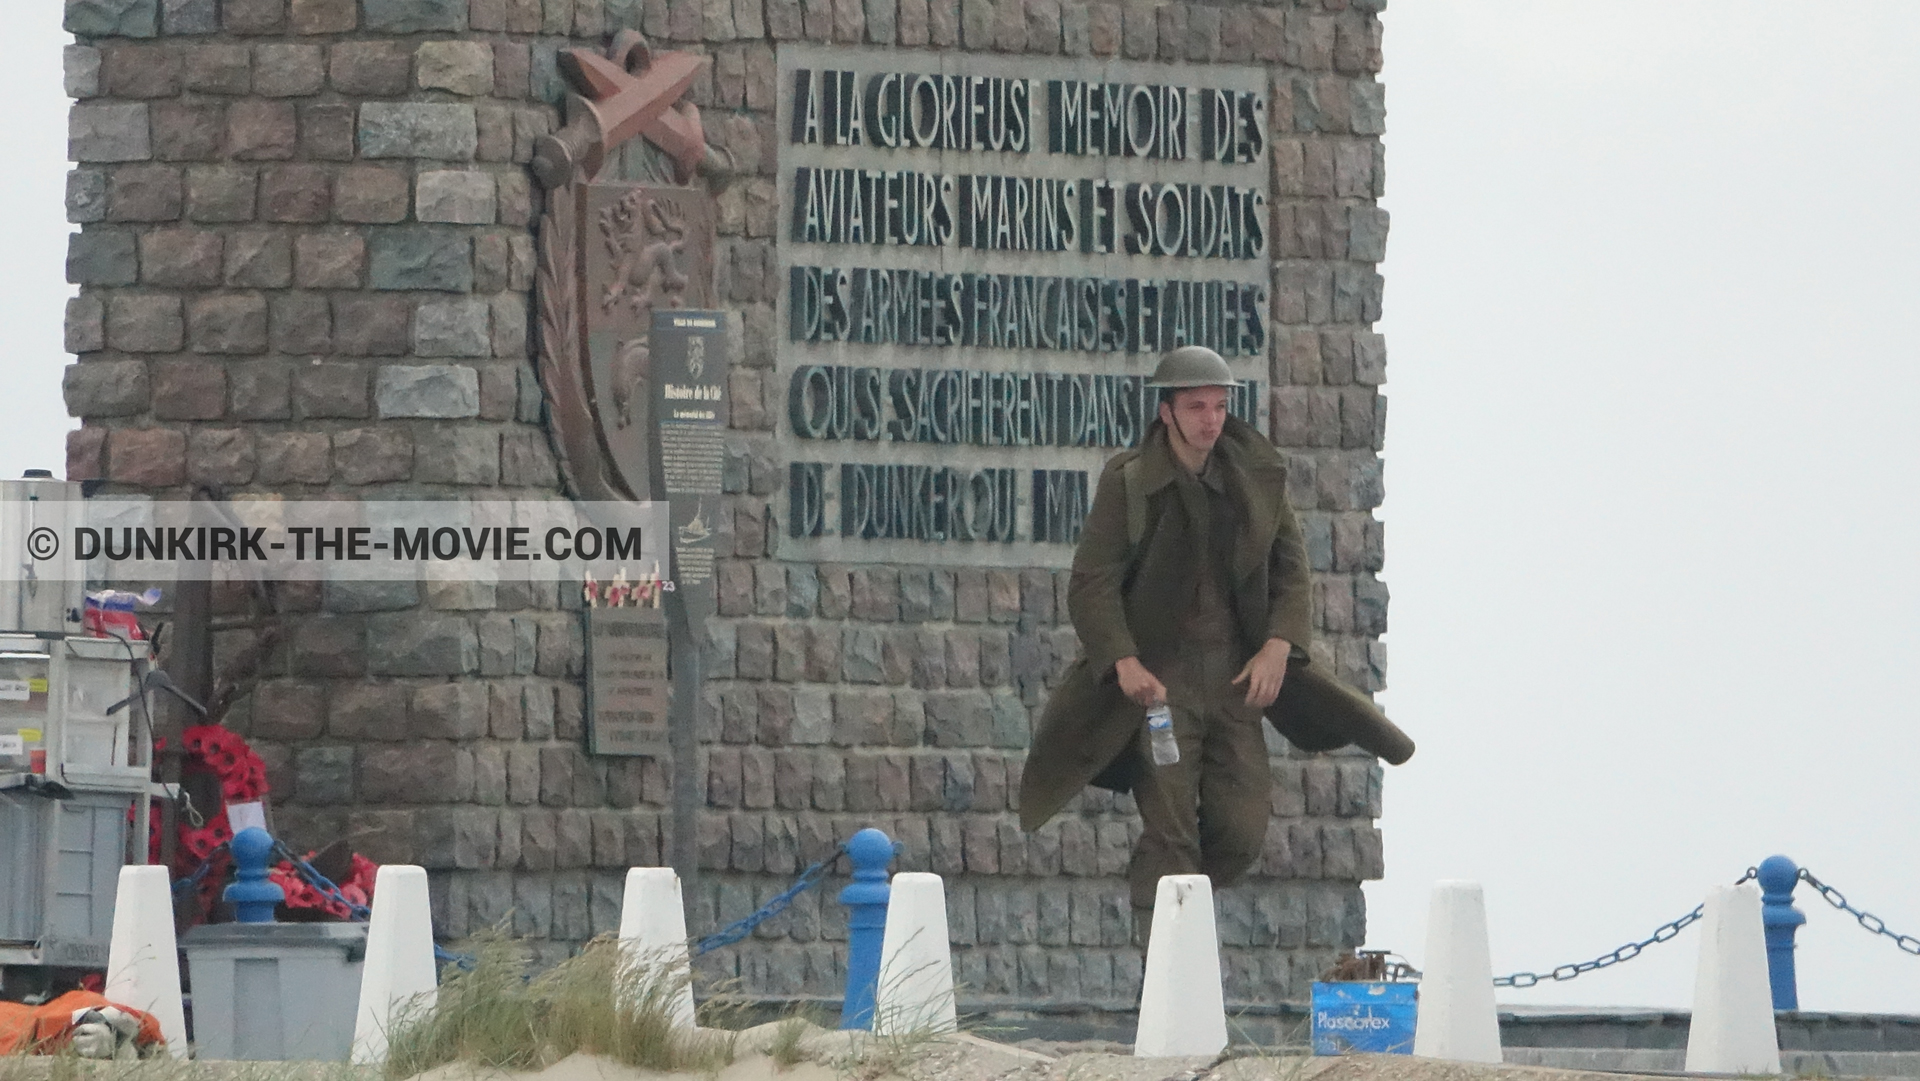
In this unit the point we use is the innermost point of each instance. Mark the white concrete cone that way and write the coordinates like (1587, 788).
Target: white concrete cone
(143, 962)
(1732, 1029)
(915, 992)
(1182, 1009)
(653, 934)
(399, 978)
(1457, 1019)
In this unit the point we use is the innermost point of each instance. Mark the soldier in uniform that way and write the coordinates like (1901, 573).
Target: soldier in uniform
(1190, 589)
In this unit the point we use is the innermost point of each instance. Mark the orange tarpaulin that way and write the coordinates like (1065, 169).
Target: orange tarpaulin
(42, 1029)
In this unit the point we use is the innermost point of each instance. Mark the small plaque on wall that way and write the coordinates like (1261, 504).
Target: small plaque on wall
(690, 360)
(627, 688)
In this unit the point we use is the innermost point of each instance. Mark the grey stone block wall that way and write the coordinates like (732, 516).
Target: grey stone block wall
(304, 250)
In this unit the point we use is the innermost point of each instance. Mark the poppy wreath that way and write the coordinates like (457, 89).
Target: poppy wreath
(243, 779)
(356, 888)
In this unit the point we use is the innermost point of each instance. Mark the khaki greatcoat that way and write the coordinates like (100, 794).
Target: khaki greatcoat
(1125, 599)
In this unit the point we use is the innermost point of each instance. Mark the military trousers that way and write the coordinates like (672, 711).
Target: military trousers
(1207, 813)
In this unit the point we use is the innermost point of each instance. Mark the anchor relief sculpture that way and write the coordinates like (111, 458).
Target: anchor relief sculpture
(626, 231)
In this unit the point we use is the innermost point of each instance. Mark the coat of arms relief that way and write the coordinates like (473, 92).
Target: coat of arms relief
(626, 230)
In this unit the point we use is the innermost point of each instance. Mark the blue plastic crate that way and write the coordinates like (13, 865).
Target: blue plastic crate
(1369, 1017)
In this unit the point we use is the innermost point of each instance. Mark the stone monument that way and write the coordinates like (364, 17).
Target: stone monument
(387, 248)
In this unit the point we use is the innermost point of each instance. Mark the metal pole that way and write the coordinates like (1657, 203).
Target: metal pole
(189, 660)
(683, 739)
(866, 901)
(1778, 876)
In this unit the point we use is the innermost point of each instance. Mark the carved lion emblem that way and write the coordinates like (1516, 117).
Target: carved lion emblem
(646, 242)
(645, 238)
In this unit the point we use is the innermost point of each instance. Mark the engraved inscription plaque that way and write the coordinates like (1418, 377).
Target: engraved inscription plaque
(983, 258)
(627, 681)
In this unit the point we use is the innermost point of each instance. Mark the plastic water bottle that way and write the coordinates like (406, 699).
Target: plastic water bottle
(1160, 730)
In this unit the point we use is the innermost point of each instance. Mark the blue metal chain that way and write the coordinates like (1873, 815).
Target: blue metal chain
(191, 882)
(1867, 919)
(358, 913)
(1666, 932)
(726, 936)
(320, 882)
(739, 929)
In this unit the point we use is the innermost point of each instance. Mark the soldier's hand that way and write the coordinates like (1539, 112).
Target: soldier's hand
(1138, 684)
(1264, 674)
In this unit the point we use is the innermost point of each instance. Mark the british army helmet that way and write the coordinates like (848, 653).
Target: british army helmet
(1192, 366)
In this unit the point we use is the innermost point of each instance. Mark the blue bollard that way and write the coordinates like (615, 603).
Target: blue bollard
(253, 897)
(866, 901)
(1778, 876)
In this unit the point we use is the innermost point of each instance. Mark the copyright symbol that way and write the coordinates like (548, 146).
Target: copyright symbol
(43, 543)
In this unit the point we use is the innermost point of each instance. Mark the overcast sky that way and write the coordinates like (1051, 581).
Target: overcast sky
(1651, 531)
(1651, 521)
